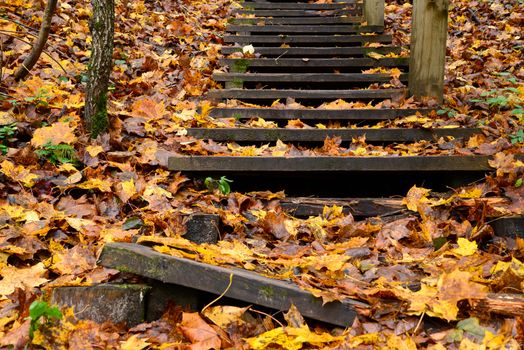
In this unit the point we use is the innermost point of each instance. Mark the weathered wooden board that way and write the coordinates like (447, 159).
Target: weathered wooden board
(246, 286)
(511, 227)
(297, 20)
(364, 207)
(308, 77)
(307, 39)
(298, 13)
(296, 6)
(305, 52)
(118, 303)
(319, 135)
(310, 29)
(334, 63)
(326, 163)
(306, 94)
(314, 114)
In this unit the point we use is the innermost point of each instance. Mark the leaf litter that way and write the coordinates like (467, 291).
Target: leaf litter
(438, 260)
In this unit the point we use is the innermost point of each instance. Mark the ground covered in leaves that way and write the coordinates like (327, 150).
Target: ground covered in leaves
(62, 195)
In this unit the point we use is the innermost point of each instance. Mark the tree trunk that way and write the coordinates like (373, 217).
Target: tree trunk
(38, 47)
(100, 66)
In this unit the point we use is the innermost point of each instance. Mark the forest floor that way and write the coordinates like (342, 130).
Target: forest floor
(63, 195)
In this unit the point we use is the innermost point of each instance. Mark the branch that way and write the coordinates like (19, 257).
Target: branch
(38, 47)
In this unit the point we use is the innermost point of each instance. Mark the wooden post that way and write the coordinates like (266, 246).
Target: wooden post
(374, 12)
(428, 48)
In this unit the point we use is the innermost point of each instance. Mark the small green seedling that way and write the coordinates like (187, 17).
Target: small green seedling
(41, 310)
(7, 132)
(517, 137)
(221, 184)
(58, 154)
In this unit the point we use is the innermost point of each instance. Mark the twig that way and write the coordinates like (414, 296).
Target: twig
(268, 315)
(38, 47)
(221, 295)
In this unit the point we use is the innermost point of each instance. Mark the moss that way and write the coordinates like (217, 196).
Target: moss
(100, 120)
(267, 292)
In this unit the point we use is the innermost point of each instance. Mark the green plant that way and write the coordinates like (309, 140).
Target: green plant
(40, 99)
(221, 184)
(517, 137)
(446, 110)
(41, 310)
(58, 154)
(6, 134)
(240, 65)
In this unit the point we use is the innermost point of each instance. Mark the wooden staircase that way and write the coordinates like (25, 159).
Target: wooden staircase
(314, 54)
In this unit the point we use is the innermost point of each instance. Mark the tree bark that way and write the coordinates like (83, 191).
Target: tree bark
(100, 66)
(38, 47)
(374, 12)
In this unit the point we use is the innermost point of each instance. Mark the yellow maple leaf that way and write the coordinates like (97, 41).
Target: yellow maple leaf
(13, 278)
(415, 198)
(134, 343)
(18, 173)
(98, 184)
(465, 247)
(56, 133)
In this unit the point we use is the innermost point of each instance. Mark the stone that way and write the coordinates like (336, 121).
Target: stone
(203, 228)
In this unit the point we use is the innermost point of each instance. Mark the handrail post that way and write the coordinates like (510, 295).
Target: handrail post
(374, 12)
(428, 48)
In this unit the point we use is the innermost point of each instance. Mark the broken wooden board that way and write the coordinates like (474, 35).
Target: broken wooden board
(329, 164)
(314, 114)
(512, 226)
(319, 135)
(246, 286)
(305, 52)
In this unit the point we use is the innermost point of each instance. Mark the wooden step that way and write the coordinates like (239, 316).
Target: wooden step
(314, 114)
(362, 207)
(297, 6)
(319, 135)
(307, 39)
(297, 20)
(299, 13)
(416, 164)
(307, 77)
(363, 94)
(246, 285)
(237, 64)
(301, 29)
(283, 52)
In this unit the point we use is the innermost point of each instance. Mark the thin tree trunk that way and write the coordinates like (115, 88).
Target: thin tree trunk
(38, 47)
(100, 66)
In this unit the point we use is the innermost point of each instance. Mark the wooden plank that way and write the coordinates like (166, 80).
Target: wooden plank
(283, 52)
(296, 6)
(332, 164)
(428, 48)
(246, 286)
(297, 20)
(296, 13)
(307, 39)
(374, 12)
(314, 114)
(305, 94)
(307, 77)
(310, 29)
(363, 207)
(319, 135)
(334, 63)
(511, 227)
